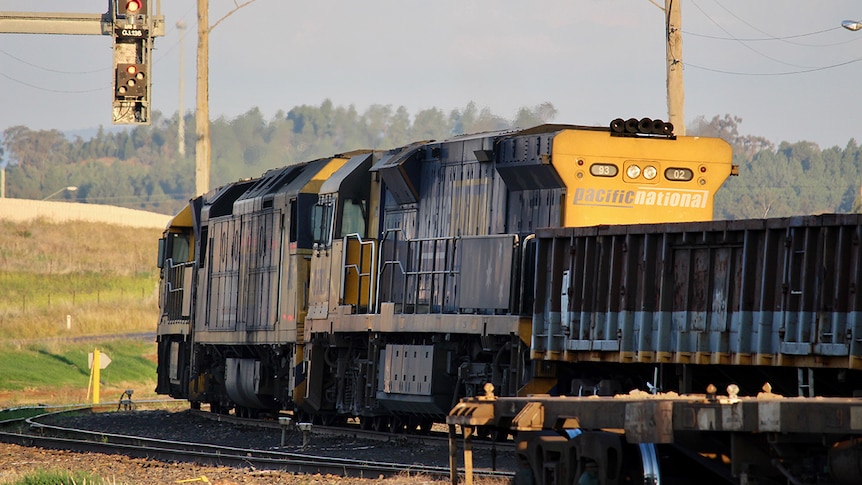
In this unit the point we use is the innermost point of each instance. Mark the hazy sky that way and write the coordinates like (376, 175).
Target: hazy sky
(786, 67)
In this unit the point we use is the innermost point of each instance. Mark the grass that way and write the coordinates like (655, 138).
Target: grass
(65, 284)
(57, 372)
(73, 279)
(59, 477)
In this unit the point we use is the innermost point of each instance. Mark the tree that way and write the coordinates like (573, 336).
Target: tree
(538, 115)
(727, 128)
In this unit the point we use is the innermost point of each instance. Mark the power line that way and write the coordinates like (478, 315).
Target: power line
(23, 61)
(752, 49)
(770, 39)
(61, 91)
(759, 30)
(58, 71)
(787, 73)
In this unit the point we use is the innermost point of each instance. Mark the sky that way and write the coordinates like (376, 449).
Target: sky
(785, 67)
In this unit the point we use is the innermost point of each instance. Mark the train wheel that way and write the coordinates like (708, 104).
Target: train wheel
(425, 425)
(332, 420)
(366, 423)
(397, 425)
(246, 412)
(381, 423)
(302, 417)
(218, 408)
(498, 435)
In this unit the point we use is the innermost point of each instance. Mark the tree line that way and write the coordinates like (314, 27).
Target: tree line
(141, 167)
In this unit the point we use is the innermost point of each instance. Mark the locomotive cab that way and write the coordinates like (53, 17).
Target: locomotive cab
(176, 260)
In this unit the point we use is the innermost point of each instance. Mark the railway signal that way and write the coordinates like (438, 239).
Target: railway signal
(125, 8)
(133, 40)
(132, 27)
(131, 81)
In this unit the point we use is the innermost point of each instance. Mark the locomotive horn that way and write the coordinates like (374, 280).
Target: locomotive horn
(631, 125)
(668, 129)
(618, 125)
(645, 125)
(658, 127)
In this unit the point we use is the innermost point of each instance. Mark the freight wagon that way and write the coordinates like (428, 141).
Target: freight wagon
(741, 341)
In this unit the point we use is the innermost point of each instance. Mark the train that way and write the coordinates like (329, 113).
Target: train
(560, 263)
(729, 351)
(386, 285)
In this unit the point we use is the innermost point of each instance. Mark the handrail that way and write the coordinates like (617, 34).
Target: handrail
(174, 280)
(412, 273)
(382, 264)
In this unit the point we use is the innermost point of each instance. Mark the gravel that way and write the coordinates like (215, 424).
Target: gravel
(185, 426)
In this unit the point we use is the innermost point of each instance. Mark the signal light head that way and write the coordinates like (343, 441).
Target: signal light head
(129, 9)
(131, 80)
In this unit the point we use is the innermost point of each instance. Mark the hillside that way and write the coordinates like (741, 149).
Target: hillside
(76, 278)
(70, 287)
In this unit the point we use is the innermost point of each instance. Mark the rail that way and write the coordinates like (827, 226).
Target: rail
(39, 428)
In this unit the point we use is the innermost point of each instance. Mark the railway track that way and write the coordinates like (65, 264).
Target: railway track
(42, 427)
(437, 436)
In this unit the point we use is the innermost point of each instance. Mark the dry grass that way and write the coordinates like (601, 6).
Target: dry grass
(42, 247)
(76, 278)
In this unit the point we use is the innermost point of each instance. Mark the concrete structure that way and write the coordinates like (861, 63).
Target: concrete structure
(19, 210)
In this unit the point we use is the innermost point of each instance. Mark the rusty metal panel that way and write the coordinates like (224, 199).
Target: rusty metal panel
(663, 418)
(769, 292)
(649, 422)
(456, 198)
(529, 210)
(261, 256)
(223, 276)
(486, 269)
(400, 171)
(408, 369)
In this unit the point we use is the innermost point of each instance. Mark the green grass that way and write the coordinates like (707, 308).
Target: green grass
(66, 364)
(38, 306)
(59, 371)
(59, 477)
(61, 282)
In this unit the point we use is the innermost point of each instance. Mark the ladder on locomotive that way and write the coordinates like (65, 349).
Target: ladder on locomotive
(797, 302)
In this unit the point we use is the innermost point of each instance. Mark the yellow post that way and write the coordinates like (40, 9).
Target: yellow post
(97, 366)
(468, 453)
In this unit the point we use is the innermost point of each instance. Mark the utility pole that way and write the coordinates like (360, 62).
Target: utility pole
(202, 114)
(675, 88)
(181, 123)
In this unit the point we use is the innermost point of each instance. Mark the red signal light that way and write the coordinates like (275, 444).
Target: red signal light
(131, 81)
(130, 7)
